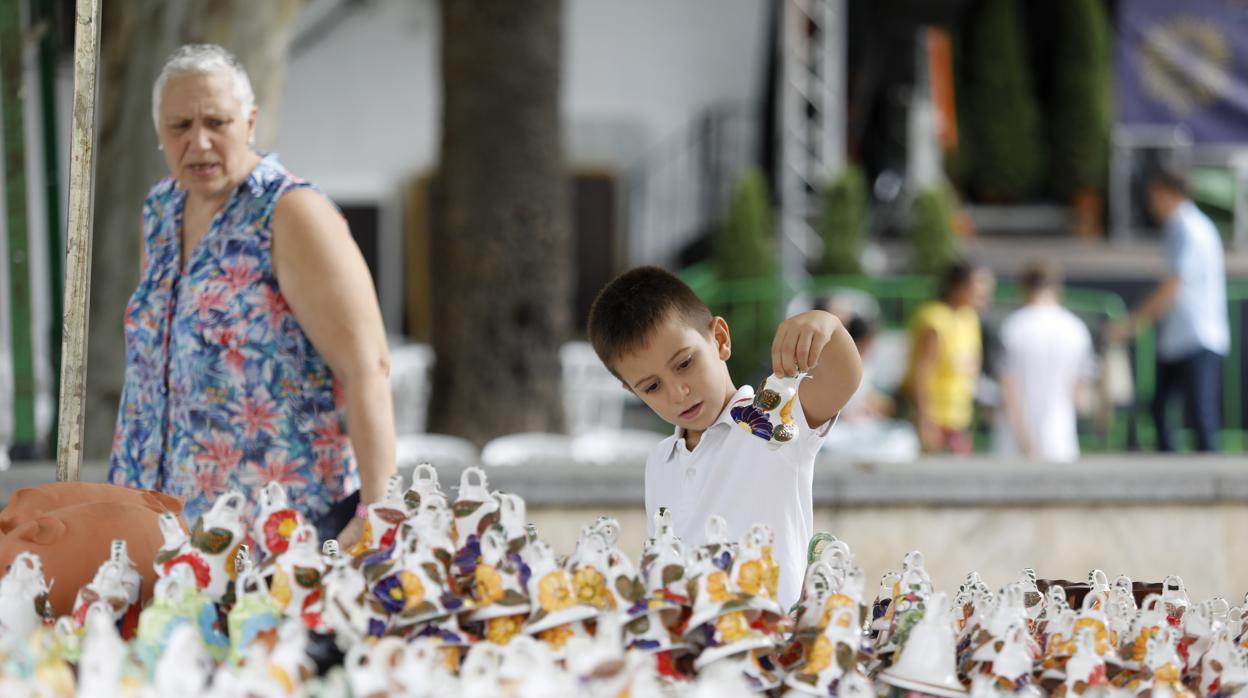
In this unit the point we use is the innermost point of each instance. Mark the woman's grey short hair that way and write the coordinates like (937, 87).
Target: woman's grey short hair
(203, 59)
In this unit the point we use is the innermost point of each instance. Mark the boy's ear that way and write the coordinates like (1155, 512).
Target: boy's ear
(722, 337)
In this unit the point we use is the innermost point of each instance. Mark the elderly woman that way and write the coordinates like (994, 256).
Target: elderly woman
(254, 332)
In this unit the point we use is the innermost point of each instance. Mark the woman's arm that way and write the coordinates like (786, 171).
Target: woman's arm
(325, 281)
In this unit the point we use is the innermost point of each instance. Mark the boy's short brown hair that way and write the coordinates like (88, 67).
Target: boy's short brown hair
(629, 308)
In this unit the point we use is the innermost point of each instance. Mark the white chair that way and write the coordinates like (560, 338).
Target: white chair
(592, 397)
(527, 448)
(411, 367)
(614, 446)
(438, 449)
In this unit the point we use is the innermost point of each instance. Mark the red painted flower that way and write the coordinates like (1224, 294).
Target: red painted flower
(277, 530)
(203, 575)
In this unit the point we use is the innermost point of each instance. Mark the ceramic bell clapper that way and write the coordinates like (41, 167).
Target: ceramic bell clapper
(770, 416)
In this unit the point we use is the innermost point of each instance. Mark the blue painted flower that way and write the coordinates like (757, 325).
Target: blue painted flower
(753, 420)
(391, 594)
(645, 645)
(451, 602)
(723, 560)
(376, 628)
(467, 558)
(525, 572)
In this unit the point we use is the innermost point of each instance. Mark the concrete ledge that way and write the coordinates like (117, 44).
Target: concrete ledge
(940, 481)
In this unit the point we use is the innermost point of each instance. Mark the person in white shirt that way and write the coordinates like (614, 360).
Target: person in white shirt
(1047, 356)
(662, 342)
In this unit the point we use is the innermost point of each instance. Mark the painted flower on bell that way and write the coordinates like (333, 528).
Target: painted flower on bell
(366, 540)
(391, 594)
(820, 656)
(591, 588)
(557, 637)
(501, 630)
(413, 589)
(554, 591)
(753, 420)
(203, 575)
(277, 530)
(279, 588)
(717, 586)
(488, 586)
(834, 603)
(732, 627)
(750, 577)
(771, 576)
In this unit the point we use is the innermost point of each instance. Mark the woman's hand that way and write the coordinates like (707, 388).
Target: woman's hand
(351, 533)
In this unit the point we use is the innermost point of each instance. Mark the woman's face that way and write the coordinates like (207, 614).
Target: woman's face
(205, 135)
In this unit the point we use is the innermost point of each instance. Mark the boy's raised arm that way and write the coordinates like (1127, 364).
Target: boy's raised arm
(816, 341)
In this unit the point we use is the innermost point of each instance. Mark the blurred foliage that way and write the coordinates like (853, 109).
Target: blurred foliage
(1081, 98)
(931, 230)
(1004, 119)
(746, 248)
(842, 222)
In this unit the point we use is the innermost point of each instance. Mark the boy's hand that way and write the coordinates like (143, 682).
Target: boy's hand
(800, 341)
(817, 338)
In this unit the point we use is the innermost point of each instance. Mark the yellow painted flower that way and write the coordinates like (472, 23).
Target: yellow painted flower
(279, 588)
(591, 588)
(361, 545)
(1099, 632)
(557, 637)
(413, 589)
(489, 585)
(733, 627)
(1141, 643)
(750, 577)
(554, 592)
(834, 603)
(819, 657)
(717, 586)
(1167, 675)
(501, 630)
(283, 679)
(771, 577)
(230, 569)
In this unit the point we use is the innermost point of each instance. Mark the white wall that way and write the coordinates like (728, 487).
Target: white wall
(360, 112)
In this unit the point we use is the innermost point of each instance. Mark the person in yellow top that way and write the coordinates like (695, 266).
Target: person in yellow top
(945, 359)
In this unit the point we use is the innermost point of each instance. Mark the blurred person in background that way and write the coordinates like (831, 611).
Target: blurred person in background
(946, 353)
(1046, 356)
(255, 330)
(1189, 307)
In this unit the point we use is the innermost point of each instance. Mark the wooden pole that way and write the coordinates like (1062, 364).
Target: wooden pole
(78, 248)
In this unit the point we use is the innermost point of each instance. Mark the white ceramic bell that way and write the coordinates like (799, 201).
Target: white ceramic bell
(927, 662)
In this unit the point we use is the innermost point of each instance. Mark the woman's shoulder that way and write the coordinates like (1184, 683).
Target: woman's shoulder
(161, 191)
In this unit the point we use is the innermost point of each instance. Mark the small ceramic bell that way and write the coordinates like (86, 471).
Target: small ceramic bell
(770, 416)
(927, 661)
(23, 599)
(275, 520)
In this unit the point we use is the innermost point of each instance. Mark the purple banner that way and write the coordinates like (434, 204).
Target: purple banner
(1184, 62)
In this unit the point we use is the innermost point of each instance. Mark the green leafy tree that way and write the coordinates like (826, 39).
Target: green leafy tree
(745, 253)
(1004, 119)
(842, 223)
(1081, 99)
(931, 231)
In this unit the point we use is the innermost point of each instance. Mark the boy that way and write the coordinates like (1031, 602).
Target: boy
(661, 341)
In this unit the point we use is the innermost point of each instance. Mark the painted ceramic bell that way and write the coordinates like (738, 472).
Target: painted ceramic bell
(23, 599)
(103, 654)
(296, 583)
(424, 483)
(418, 589)
(728, 634)
(498, 585)
(212, 547)
(275, 520)
(512, 520)
(1222, 666)
(381, 523)
(1085, 670)
(755, 573)
(832, 655)
(475, 508)
(254, 612)
(345, 611)
(927, 661)
(552, 596)
(770, 416)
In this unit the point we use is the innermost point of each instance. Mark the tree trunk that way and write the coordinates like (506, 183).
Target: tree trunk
(138, 36)
(502, 279)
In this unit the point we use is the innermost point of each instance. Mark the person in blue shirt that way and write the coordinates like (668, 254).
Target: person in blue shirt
(1189, 307)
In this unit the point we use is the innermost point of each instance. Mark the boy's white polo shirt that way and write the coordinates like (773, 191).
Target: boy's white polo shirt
(735, 474)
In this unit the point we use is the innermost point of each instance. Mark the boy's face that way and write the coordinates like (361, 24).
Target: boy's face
(680, 372)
